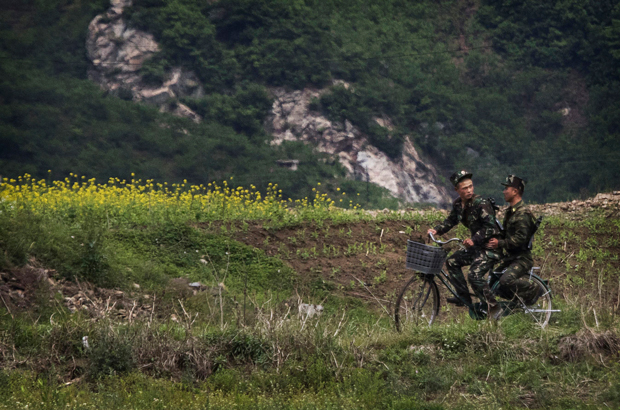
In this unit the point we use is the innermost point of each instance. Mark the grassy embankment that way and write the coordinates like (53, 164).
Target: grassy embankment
(238, 343)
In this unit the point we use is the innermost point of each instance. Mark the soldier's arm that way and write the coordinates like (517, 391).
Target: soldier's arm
(448, 223)
(488, 228)
(519, 240)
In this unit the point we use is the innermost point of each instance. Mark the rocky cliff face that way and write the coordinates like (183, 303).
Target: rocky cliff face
(118, 51)
(409, 177)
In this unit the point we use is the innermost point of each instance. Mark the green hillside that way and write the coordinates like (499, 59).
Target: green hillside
(492, 86)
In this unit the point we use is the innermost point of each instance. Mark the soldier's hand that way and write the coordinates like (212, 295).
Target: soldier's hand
(468, 242)
(492, 244)
(431, 231)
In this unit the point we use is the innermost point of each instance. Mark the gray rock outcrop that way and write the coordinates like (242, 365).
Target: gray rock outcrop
(117, 53)
(409, 177)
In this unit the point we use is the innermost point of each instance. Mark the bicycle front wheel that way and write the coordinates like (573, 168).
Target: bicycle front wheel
(418, 302)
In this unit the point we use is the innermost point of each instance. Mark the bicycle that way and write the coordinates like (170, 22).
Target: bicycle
(418, 302)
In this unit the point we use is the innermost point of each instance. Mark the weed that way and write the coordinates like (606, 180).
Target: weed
(301, 234)
(313, 252)
(381, 278)
(111, 354)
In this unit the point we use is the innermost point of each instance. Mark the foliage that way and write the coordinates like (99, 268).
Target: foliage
(244, 111)
(497, 87)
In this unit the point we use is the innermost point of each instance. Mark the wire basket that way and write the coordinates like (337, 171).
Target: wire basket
(424, 258)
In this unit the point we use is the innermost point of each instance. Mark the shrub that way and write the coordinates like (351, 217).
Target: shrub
(110, 354)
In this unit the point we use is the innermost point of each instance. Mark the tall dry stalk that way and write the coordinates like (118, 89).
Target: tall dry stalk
(219, 280)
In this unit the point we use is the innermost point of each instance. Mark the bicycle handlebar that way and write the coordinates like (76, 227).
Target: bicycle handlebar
(442, 242)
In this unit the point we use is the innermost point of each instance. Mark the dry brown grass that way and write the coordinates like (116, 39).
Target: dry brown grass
(588, 343)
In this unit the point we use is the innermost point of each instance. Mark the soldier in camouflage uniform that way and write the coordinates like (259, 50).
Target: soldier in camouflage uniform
(519, 226)
(477, 214)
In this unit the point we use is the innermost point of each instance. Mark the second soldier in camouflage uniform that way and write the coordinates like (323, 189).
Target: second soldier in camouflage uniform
(477, 214)
(519, 226)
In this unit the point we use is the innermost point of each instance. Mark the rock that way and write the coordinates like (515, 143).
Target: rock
(159, 96)
(408, 177)
(472, 152)
(117, 53)
(602, 201)
(291, 164)
(309, 310)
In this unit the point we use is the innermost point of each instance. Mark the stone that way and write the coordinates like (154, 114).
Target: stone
(117, 53)
(308, 310)
(472, 152)
(291, 164)
(408, 177)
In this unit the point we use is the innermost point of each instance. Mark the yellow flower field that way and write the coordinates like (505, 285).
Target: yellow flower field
(138, 201)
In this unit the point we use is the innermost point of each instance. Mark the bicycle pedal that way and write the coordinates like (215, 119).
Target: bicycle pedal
(455, 301)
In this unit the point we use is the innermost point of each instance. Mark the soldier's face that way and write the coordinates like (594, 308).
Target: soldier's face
(509, 193)
(465, 189)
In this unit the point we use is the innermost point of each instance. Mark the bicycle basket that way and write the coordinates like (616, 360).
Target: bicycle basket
(424, 258)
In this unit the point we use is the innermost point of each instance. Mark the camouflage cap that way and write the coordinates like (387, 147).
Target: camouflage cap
(515, 182)
(459, 176)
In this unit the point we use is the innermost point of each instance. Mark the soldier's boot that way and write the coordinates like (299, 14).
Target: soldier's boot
(494, 310)
(537, 294)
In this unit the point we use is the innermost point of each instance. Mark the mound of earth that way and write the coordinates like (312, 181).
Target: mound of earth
(31, 285)
(609, 203)
(361, 260)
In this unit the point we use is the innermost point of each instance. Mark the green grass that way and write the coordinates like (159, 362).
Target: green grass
(345, 359)
(249, 349)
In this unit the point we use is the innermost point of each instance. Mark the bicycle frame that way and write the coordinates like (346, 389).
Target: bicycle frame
(444, 278)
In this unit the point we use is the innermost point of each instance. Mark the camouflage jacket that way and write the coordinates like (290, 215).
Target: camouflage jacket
(477, 214)
(518, 227)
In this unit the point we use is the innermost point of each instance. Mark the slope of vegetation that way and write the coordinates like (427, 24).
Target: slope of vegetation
(487, 85)
(54, 119)
(237, 341)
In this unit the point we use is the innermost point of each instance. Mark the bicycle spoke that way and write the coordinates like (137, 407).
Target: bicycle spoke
(418, 302)
(540, 311)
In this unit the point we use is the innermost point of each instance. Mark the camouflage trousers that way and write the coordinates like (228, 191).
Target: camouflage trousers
(480, 262)
(512, 280)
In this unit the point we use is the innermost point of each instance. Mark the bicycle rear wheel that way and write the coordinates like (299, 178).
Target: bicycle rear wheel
(539, 312)
(418, 302)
